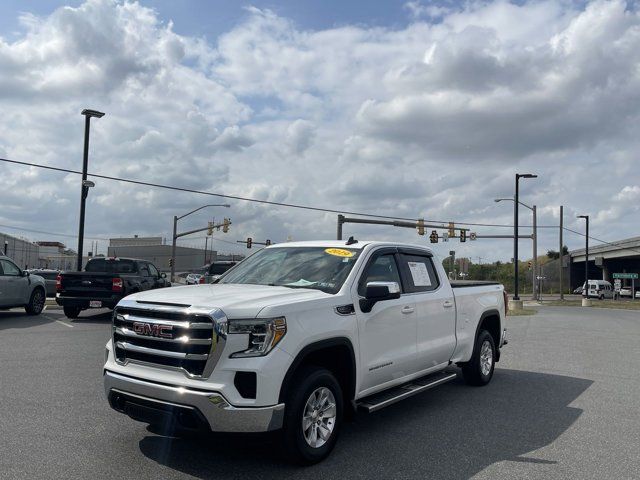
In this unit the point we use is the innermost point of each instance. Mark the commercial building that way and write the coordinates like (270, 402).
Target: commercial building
(56, 256)
(155, 250)
(20, 250)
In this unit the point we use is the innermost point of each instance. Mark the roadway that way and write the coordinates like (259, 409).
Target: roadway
(563, 403)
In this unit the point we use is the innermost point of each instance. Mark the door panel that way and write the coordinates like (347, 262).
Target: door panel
(435, 310)
(388, 332)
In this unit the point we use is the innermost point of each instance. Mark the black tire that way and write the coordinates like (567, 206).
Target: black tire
(601, 297)
(71, 312)
(306, 383)
(36, 302)
(473, 371)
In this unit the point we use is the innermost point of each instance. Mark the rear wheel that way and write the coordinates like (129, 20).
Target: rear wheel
(36, 302)
(71, 312)
(479, 370)
(313, 416)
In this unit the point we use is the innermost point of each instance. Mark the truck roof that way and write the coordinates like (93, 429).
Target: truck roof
(343, 244)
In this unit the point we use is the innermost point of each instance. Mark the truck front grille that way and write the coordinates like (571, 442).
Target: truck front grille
(176, 339)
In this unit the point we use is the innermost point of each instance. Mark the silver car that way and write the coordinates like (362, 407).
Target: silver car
(18, 288)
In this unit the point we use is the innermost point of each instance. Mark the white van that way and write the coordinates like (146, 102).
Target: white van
(599, 289)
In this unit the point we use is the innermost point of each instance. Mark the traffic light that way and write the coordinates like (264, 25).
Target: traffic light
(225, 226)
(463, 235)
(210, 229)
(268, 242)
(420, 227)
(249, 242)
(433, 238)
(529, 263)
(171, 262)
(452, 230)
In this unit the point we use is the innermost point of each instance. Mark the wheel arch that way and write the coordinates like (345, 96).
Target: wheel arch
(336, 354)
(491, 322)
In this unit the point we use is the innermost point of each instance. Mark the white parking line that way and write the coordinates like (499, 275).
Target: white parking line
(63, 323)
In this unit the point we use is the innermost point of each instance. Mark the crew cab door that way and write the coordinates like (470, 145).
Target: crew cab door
(435, 308)
(387, 334)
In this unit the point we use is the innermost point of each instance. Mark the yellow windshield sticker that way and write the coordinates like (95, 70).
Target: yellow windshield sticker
(339, 252)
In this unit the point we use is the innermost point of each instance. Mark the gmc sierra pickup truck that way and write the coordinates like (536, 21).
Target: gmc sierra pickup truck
(104, 282)
(297, 336)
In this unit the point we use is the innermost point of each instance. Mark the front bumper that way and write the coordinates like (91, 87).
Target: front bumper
(148, 401)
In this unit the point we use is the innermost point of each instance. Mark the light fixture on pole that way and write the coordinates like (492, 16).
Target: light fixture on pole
(86, 184)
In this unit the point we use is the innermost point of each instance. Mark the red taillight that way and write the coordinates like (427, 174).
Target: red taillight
(201, 280)
(116, 285)
(58, 283)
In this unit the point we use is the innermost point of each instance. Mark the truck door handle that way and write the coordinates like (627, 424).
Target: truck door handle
(407, 309)
(447, 304)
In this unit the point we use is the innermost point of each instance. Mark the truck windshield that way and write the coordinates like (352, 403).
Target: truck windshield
(318, 268)
(110, 266)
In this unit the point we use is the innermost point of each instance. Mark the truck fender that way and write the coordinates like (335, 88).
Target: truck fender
(314, 347)
(491, 313)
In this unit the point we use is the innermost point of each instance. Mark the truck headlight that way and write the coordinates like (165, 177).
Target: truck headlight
(264, 334)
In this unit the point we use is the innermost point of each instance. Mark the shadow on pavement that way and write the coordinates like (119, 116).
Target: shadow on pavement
(448, 433)
(20, 319)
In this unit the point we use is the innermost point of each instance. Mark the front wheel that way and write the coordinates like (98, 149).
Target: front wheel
(36, 302)
(71, 312)
(313, 416)
(479, 370)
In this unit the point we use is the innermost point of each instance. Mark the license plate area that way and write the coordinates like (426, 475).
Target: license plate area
(95, 304)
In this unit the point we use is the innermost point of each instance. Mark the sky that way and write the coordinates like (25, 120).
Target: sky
(409, 109)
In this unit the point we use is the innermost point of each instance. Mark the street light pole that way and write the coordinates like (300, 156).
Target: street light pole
(516, 202)
(85, 184)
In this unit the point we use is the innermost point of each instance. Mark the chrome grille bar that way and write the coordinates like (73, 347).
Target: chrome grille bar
(159, 321)
(184, 340)
(163, 353)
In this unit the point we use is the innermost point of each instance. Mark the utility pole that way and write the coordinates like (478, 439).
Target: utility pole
(585, 291)
(561, 253)
(339, 229)
(536, 289)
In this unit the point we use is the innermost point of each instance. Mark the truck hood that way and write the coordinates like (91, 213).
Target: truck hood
(237, 301)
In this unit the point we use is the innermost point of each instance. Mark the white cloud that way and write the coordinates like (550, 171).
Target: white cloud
(432, 119)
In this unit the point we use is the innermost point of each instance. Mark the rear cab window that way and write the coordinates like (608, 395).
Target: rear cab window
(418, 273)
(110, 266)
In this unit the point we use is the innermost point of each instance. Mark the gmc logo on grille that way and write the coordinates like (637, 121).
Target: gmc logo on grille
(153, 330)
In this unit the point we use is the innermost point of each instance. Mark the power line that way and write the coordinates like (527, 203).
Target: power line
(237, 197)
(265, 202)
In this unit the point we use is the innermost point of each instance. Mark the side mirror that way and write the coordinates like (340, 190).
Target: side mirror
(377, 292)
(163, 275)
(25, 273)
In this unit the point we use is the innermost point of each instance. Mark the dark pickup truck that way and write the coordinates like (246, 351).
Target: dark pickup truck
(104, 282)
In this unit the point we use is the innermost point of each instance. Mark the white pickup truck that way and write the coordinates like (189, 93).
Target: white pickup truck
(297, 336)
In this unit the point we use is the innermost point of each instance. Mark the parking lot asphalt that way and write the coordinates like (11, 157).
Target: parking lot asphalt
(564, 403)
